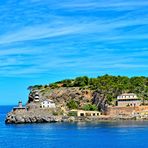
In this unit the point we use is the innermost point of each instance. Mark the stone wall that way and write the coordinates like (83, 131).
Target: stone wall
(128, 103)
(127, 111)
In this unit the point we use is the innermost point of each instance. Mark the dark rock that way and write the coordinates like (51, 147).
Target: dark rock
(99, 98)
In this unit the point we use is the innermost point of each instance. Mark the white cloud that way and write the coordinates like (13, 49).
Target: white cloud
(109, 5)
(74, 36)
(36, 32)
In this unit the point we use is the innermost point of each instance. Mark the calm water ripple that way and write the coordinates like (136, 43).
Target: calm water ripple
(127, 134)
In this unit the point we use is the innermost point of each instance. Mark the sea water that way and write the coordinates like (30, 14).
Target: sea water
(123, 134)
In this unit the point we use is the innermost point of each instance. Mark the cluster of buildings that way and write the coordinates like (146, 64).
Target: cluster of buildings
(129, 105)
(126, 103)
(125, 100)
(43, 104)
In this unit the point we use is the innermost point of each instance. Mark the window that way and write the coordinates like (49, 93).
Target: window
(81, 114)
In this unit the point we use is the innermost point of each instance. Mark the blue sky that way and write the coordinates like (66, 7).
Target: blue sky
(45, 41)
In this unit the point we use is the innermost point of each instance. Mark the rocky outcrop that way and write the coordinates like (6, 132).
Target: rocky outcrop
(29, 117)
(18, 119)
(61, 96)
(99, 98)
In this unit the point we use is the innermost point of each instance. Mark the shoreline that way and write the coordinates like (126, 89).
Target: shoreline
(15, 119)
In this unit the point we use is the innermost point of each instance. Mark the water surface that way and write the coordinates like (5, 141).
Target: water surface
(127, 134)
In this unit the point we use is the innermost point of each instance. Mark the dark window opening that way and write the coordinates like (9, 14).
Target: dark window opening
(81, 114)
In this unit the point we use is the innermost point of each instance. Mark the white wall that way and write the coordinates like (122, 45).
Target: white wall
(47, 104)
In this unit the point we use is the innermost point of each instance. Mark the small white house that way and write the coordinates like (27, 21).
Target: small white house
(47, 104)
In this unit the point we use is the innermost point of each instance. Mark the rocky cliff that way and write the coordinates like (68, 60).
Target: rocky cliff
(79, 93)
(61, 96)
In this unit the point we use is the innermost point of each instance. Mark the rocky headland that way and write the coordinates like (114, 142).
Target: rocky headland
(54, 102)
(33, 113)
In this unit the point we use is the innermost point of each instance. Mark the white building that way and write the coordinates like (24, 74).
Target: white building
(128, 99)
(47, 104)
(86, 113)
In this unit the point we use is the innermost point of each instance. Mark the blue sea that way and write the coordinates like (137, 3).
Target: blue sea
(123, 134)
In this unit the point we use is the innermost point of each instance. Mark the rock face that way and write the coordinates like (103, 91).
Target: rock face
(100, 100)
(36, 119)
(61, 96)
(42, 117)
(31, 117)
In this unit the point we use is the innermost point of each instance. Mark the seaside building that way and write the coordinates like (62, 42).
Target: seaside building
(128, 99)
(84, 113)
(47, 104)
(19, 107)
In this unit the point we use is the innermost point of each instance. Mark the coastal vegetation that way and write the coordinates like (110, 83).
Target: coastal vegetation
(84, 97)
(107, 85)
(72, 104)
(90, 107)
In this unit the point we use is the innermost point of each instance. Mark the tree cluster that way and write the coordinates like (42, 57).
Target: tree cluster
(108, 85)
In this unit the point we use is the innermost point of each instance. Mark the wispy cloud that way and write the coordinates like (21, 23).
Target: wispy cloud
(37, 32)
(109, 5)
(55, 37)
